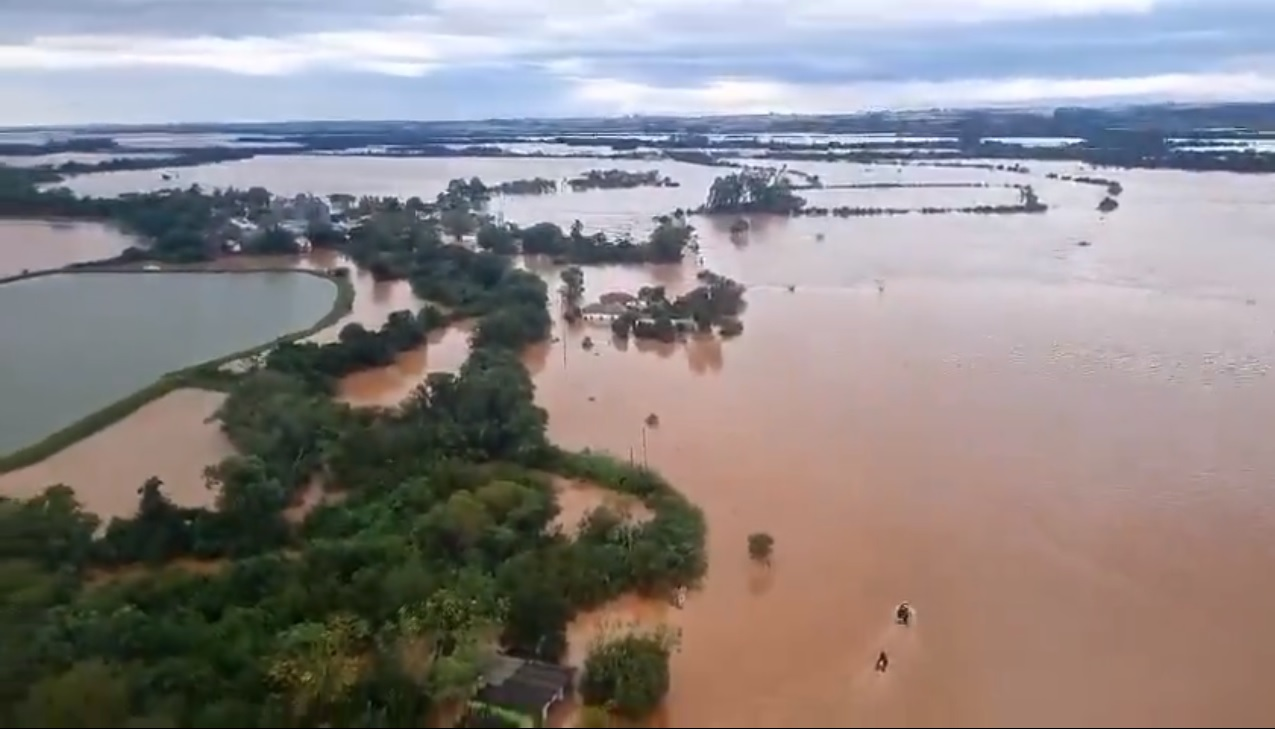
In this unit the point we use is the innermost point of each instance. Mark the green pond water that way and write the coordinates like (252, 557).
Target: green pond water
(73, 343)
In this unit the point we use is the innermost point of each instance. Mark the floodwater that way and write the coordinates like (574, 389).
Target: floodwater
(74, 343)
(34, 245)
(1056, 453)
(171, 438)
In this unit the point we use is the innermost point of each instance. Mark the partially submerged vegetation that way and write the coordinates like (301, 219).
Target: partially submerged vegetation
(667, 242)
(627, 675)
(380, 608)
(716, 302)
(619, 180)
(771, 191)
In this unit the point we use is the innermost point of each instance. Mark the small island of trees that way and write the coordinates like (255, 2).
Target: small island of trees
(770, 191)
(716, 302)
(619, 180)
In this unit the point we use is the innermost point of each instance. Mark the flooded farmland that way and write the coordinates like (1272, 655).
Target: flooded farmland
(74, 343)
(1055, 452)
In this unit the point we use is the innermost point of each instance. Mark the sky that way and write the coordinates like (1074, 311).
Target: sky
(144, 61)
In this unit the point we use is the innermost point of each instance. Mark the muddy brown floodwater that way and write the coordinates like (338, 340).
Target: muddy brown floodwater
(171, 438)
(1057, 453)
(32, 245)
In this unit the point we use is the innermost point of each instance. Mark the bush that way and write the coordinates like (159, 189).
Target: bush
(760, 546)
(629, 675)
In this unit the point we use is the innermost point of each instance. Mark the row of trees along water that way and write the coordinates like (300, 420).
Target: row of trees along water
(433, 548)
(193, 224)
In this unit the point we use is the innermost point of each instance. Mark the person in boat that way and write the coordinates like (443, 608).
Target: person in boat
(883, 662)
(903, 614)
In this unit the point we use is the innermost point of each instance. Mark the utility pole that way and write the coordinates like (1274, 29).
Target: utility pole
(645, 463)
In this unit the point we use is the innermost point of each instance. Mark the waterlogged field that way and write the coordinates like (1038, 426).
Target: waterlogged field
(74, 343)
(1056, 452)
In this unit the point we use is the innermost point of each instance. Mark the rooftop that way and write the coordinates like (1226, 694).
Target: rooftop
(525, 686)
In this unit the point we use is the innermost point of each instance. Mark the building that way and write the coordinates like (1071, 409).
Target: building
(604, 313)
(618, 297)
(518, 692)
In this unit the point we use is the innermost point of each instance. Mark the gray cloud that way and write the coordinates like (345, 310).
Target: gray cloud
(25, 19)
(558, 47)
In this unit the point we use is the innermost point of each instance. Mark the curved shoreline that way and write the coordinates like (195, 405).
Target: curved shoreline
(342, 304)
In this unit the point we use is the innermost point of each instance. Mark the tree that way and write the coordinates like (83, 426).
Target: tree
(753, 190)
(88, 694)
(53, 528)
(594, 717)
(629, 675)
(319, 663)
(572, 291)
(497, 239)
(760, 546)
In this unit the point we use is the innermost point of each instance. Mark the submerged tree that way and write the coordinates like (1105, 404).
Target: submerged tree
(760, 546)
(754, 190)
(629, 675)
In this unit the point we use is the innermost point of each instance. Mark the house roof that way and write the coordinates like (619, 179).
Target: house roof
(479, 720)
(617, 297)
(524, 686)
(605, 308)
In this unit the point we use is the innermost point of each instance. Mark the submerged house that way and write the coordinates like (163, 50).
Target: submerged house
(603, 312)
(517, 692)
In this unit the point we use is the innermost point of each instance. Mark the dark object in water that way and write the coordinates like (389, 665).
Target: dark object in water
(903, 614)
(883, 662)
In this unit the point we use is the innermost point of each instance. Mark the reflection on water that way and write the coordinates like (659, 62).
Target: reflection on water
(1057, 453)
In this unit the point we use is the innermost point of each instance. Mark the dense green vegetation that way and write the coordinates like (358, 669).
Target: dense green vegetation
(753, 190)
(716, 302)
(378, 608)
(391, 237)
(628, 675)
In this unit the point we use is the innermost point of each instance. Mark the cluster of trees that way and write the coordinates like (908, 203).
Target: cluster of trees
(531, 186)
(716, 302)
(628, 675)
(357, 348)
(667, 242)
(379, 607)
(619, 179)
(180, 225)
(753, 190)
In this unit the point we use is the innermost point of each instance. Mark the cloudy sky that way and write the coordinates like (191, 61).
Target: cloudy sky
(76, 61)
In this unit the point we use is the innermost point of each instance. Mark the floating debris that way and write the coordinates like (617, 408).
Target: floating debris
(652, 421)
